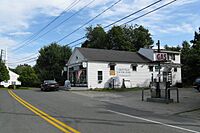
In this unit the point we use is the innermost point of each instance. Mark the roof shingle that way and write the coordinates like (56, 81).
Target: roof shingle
(112, 55)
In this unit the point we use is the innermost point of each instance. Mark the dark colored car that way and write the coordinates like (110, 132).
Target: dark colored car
(196, 84)
(48, 85)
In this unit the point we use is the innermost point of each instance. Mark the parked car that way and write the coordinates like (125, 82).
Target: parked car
(196, 84)
(49, 85)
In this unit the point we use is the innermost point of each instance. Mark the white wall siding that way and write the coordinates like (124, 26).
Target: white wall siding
(76, 57)
(13, 79)
(176, 76)
(139, 78)
(93, 68)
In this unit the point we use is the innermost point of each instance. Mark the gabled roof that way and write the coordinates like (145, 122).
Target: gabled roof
(112, 55)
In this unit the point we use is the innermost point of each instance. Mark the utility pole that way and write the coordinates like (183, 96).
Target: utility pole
(1, 57)
(159, 78)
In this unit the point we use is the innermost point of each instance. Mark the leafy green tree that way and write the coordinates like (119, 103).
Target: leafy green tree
(128, 38)
(185, 59)
(190, 59)
(117, 39)
(96, 37)
(172, 48)
(4, 73)
(51, 61)
(27, 75)
(141, 37)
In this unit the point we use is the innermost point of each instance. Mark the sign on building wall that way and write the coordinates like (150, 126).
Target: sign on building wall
(124, 72)
(161, 56)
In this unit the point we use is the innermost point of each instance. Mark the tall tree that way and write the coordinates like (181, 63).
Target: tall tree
(96, 37)
(129, 38)
(4, 73)
(172, 48)
(185, 57)
(117, 39)
(27, 75)
(141, 37)
(190, 59)
(51, 61)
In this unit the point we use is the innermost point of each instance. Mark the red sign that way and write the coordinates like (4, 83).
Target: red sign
(161, 56)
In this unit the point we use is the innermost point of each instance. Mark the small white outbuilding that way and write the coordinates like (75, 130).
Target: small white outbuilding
(12, 81)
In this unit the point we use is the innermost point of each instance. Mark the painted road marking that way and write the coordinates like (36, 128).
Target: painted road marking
(152, 121)
(60, 125)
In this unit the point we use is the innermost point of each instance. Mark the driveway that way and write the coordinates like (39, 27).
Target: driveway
(189, 101)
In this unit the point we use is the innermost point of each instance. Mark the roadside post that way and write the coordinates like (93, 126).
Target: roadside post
(159, 76)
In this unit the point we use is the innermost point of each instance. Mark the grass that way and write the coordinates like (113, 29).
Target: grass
(120, 89)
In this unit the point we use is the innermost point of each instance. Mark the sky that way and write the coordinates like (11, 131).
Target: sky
(20, 20)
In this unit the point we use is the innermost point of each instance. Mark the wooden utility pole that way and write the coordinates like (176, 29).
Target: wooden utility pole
(1, 57)
(158, 95)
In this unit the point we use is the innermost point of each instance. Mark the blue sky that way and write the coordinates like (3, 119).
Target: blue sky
(20, 19)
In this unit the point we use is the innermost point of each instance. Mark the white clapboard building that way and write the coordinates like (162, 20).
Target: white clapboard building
(100, 68)
(12, 81)
(13, 76)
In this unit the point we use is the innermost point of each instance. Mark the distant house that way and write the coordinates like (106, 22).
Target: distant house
(100, 68)
(12, 81)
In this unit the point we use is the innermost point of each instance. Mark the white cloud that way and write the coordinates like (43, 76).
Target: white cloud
(19, 33)
(6, 42)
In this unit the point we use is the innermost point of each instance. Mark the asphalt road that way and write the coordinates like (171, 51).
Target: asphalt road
(83, 114)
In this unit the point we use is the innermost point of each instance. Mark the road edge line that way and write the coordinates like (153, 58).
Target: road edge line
(152, 121)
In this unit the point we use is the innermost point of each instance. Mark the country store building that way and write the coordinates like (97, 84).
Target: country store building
(100, 68)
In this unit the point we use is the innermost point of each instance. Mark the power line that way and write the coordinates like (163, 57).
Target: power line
(37, 33)
(30, 59)
(89, 21)
(62, 22)
(133, 13)
(25, 58)
(151, 11)
(121, 19)
(132, 19)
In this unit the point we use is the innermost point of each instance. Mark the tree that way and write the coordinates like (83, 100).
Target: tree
(128, 38)
(4, 73)
(117, 39)
(51, 61)
(190, 59)
(186, 68)
(27, 75)
(96, 37)
(172, 48)
(140, 37)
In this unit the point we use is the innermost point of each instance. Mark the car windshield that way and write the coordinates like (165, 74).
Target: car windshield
(50, 81)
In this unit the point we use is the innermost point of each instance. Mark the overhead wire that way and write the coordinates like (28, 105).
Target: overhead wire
(151, 11)
(62, 22)
(144, 8)
(37, 33)
(30, 59)
(89, 21)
